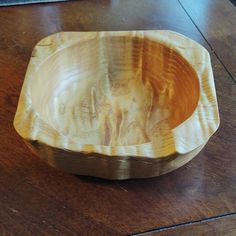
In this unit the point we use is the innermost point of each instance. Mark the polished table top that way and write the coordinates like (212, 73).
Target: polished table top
(36, 199)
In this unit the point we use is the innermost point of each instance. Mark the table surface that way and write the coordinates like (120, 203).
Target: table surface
(199, 198)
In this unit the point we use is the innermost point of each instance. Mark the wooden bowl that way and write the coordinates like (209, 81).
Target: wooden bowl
(118, 105)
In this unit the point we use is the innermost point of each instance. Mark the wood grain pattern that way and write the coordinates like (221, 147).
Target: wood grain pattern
(36, 199)
(225, 225)
(120, 102)
(216, 21)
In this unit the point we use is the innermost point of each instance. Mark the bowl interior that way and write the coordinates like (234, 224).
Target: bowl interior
(115, 90)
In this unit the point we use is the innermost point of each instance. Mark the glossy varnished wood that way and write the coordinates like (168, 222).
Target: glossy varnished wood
(223, 225)
(216, 21)
(37, 199)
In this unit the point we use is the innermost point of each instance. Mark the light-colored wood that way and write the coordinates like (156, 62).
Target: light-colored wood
(108, 103)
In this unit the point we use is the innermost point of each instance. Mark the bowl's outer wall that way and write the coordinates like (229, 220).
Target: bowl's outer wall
(113, 168)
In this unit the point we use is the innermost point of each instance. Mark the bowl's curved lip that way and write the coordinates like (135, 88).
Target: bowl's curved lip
(184, 138)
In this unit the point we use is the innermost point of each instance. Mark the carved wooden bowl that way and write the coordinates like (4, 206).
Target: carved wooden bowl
(118, 105)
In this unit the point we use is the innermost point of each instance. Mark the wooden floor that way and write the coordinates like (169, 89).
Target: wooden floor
(197, 199)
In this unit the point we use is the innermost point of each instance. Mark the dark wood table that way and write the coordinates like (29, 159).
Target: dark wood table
(197, 199)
